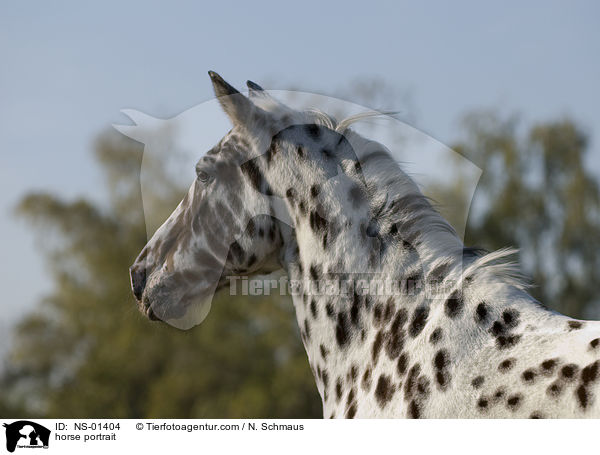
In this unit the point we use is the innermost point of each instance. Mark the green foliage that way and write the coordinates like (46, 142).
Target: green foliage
(536, 194)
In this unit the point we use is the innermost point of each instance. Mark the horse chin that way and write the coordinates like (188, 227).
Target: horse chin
(196, 311)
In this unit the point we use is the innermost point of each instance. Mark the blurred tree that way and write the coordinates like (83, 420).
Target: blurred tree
(87, 352)
(536, 194)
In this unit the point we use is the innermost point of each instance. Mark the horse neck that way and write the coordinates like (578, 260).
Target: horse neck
(388, 237)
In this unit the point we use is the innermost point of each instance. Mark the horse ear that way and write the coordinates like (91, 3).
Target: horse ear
(237, 107)
(254, 89)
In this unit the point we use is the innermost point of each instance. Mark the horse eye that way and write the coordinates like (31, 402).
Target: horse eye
(203, 176)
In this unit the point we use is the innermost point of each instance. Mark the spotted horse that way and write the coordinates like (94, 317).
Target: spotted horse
(457, 337)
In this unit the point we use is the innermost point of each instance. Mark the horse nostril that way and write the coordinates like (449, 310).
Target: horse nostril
(138, 281)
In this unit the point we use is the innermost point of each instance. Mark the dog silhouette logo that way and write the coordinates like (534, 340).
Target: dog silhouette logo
(26, 434)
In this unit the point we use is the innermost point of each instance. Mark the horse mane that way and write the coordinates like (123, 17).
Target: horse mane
(396, 199)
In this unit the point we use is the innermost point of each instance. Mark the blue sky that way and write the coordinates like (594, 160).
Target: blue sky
(69, 67)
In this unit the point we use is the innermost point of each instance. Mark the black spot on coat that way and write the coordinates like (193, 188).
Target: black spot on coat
(351, 412)
(514, 401)
(441, 362)
(506, 365)
(481, 313)
(414, 411)
(554, 389)
(548, 366)
(324, 351)
(314, 271)
(454, 304)
(252, 172)
(582, 395)
(418, 321)
(313, 130)
(394, 344)
(505, 342)
(574, 325)
(402, 364)
(366, 380)
(435, 336)
(384, 390)
(342, 333)
(377, 344)
(528, 376)
(590, 372)
(329, 309)
(477, 382)
(317, 223)
(315, 190)
(411, 379)
(569, 371)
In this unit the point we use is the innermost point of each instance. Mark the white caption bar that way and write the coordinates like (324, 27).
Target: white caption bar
(248, 436)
